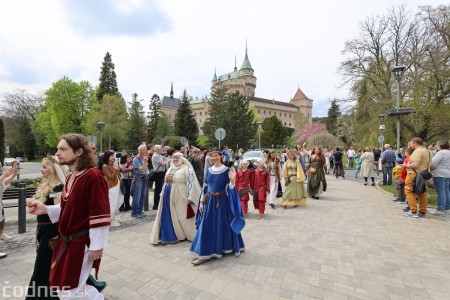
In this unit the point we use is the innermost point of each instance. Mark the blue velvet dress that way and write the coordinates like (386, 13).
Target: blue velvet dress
(219, 227)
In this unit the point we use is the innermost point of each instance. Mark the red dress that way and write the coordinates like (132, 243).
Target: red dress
(83, 207)
(261, 184)
(243, 180)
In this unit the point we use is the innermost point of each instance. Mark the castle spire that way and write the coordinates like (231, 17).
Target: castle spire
(246, 63)
(215, 75)
(235, 67)
(171, 89)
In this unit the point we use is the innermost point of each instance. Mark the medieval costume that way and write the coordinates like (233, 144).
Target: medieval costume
(294, 192)
(46, 230)
(219, 226)
(316, 177)
(84, 220)
(172, 223)
(243, 180)
(261, 187)
(274, 169)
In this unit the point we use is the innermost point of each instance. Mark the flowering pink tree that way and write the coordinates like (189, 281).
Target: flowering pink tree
(302, 136)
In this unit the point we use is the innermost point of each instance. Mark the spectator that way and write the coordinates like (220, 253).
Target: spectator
(338, 165)
(5, 180)
(125, 175)
(197, 165)
(387, 160)
(367, 159)
(358, 162)
(160, 165)
(440, 168)
(376, 156)
(351, 156)
(139, 182)
(419, 161)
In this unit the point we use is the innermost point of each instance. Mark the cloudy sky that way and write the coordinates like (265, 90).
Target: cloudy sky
(291, 43)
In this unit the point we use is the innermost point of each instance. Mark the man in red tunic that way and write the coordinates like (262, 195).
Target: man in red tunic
(84, 220)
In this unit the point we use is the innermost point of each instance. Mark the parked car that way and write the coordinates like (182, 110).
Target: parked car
(9, 161)
(20, 159)
(253, 156)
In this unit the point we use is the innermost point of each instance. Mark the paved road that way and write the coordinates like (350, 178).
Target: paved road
(30, 170)
(353, 243)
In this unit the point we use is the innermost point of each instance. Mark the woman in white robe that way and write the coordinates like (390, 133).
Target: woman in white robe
(180, 191)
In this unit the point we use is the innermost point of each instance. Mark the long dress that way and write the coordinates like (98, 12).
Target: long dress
(39, 282)
(316, 181)
(294, 192)
(219, 227)
(171, 224)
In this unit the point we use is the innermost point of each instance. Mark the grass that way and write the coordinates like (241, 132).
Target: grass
(432, 196)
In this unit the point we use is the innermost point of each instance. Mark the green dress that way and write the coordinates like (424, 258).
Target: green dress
(39, 283)
(316, 181)
(294, 194)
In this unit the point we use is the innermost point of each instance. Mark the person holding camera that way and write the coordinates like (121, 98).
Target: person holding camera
(139, 183)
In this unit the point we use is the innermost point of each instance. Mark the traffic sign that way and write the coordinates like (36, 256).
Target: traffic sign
(220, 134)
(380, 139)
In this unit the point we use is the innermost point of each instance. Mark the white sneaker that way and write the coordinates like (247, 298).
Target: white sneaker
(4, 236)
(411, 214)
(436, 212)
(3, 255)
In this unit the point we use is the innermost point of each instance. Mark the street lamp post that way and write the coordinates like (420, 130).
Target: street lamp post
(398, 73)
(100, 126)
(382, 127)
(259, 134)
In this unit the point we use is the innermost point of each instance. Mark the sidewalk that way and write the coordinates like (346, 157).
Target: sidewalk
(353, 243)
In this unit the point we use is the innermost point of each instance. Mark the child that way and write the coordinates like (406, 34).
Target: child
(243, 179)
(261, 187)
(399, 184)
(358, 161)
(408, 152)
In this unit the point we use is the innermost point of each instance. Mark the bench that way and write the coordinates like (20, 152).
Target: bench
(11, 196)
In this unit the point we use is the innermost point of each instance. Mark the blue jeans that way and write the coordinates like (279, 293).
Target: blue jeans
(358, 169)
(442, 185)
(387, 174)
(351, 160)
(140, 193)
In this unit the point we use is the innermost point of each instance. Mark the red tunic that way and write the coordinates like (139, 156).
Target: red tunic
(243, 180)
(85, 206)
(261, 183)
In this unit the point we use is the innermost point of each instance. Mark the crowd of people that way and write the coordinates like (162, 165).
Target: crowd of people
(199, 196)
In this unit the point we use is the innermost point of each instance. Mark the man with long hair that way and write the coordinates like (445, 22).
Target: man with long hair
(84, 220)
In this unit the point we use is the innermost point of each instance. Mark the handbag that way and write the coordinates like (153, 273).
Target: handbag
(123, 189)
(53, 242)
(152, 174)
(190, 213)
(426, 174)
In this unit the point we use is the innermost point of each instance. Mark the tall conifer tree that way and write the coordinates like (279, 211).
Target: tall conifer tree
(136, 132)
(333, 114)
(185, 123)
(154, 114)
(108, 80)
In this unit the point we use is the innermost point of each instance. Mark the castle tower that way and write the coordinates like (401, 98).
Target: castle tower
(242, 80)
(304, 104)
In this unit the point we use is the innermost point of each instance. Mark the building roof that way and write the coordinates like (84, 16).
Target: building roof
(246, 63)
(228, 76)
(268, 101)
(299, 95)
(170, 102)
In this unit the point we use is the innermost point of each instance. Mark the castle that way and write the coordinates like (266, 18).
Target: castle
(298, 109)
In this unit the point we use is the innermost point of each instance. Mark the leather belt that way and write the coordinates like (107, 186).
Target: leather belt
(217, 195)
(44, 223)
(67, 239)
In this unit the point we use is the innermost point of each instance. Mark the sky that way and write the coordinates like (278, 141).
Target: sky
(291, 44)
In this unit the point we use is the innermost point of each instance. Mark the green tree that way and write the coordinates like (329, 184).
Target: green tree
(154, 116)
(108, 79)
(217, 110)
(137, 127)
(185, 123)
(333, 115)
(66, 109)
(2, 141)
(273, 132)
(112, 111)
(164, 129)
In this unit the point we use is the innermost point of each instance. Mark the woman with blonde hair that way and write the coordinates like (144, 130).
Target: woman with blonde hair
(294, 193)
(49, 193)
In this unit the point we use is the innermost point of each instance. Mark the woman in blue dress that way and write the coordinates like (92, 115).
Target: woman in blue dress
(220, 219)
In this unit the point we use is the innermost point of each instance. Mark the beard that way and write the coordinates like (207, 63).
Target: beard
(69, 162)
